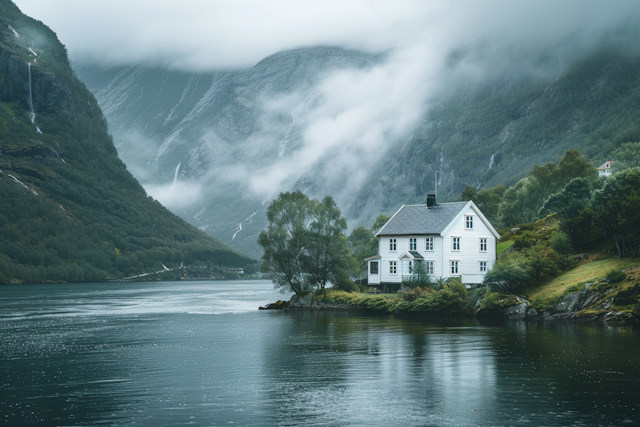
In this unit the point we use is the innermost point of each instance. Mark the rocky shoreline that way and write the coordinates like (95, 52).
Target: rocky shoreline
(592, 304)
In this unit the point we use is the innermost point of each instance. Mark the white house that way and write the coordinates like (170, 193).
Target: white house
(605, 169)
(451, 239)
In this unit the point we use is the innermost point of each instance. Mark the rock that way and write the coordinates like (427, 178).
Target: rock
(306, 300)
(278, 305)
(532, 312)
(518, 311)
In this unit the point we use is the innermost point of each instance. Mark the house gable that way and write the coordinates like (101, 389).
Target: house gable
(478, 212)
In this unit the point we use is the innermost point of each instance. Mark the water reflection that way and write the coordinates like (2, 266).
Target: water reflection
(200, 353)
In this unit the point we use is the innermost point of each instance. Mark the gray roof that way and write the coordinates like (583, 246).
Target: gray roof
(419, 219)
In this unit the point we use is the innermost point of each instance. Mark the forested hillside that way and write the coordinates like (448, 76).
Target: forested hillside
(69, 209)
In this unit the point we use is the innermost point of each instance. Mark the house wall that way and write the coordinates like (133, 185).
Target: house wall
(469, 255)
(402, 265)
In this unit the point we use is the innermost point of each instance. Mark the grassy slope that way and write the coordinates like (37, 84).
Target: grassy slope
(585, 272)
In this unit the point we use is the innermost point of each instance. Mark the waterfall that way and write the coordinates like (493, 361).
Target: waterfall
(33, 114)
(175, 176)
(491, 161)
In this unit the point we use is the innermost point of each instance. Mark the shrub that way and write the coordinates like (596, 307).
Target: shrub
(561, 243)
(615, 276)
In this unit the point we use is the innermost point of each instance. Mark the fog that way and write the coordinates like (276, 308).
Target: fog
(203, 34)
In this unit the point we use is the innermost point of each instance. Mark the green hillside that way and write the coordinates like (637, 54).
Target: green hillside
(69, 209)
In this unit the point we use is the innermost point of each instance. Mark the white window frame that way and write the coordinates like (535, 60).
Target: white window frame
(429, 267)
(455, 244)
(428, 245)
(483, 266)
(413, 244)
(483, 244)
(454, 267)
(393, 245)
(377, 267)
(393, 268)
(468, 222)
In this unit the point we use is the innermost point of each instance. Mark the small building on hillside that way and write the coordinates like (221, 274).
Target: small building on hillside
(450, 239)
(605, 169)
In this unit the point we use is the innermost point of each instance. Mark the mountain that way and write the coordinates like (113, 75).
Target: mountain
(69, 209)
(202, 135)
(211, 131)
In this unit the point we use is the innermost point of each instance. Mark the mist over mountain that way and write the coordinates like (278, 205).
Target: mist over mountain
(69, 209)
(216, 147)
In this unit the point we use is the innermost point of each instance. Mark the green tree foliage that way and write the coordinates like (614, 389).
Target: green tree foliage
(626, 156)
(362, 244)
(381, 220)
(521, 203)
(487, 199)
(304, 244)
(327, 257)
(616, 211)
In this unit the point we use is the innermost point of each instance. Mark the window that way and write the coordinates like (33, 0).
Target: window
(429, 246)
(393, 267)
(373, 267)
(483, 266)
(483, 245)
(454, 267)
(413, 244)
(392, 244)
(468, 222)
(455, 244)
(410, 267)
(428, 267)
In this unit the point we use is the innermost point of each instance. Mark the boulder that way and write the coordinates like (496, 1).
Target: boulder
(518, 311)
(278, 305)
(306, 300)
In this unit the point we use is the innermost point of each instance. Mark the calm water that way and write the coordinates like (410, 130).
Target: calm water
(199, 353)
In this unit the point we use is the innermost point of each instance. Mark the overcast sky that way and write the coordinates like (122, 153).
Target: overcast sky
(206, 34)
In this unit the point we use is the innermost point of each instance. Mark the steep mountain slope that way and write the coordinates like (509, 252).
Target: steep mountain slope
(196, 138)
(479, 133)
(69, 209)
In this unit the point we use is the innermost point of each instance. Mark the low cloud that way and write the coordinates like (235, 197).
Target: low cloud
(178, 195)
(205, 35)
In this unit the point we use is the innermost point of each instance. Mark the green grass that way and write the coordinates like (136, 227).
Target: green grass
(583, 273)
(504, 246)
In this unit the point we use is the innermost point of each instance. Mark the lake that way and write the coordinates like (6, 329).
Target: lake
(200, 353)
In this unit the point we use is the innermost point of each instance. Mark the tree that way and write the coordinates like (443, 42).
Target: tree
(468, 193)
(304, 244)
(381, 220)
(362, 244)
(284, 241)
(626, 156)
(616, 211)
(326, 245)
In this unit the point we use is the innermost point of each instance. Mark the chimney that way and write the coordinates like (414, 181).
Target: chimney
(431, 200)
